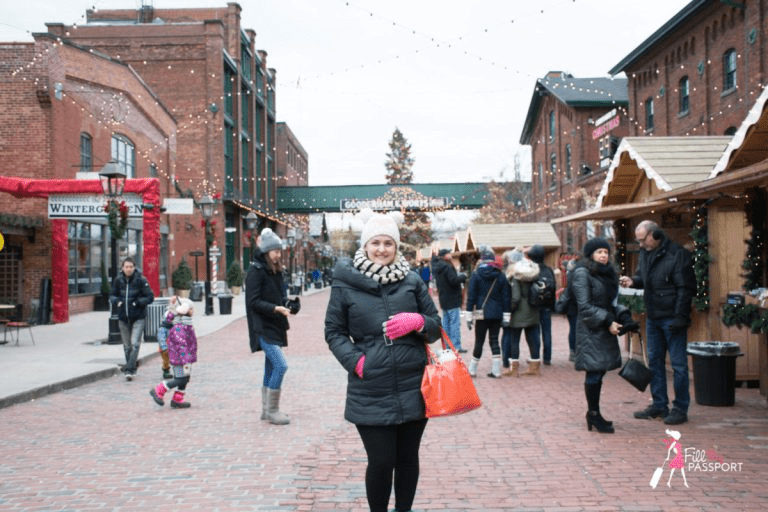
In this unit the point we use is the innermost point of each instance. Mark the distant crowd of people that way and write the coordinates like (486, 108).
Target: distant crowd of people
(381, 313)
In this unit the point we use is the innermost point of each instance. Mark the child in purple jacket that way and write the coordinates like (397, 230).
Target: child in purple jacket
(182, 352)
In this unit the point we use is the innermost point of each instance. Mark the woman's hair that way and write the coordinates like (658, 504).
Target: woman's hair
(275, 268)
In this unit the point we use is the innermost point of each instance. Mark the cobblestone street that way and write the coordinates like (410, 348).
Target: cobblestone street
(107, 446)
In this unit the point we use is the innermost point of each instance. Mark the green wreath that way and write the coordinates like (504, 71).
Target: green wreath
(117, 214)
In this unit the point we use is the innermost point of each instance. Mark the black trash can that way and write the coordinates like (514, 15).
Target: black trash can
(154, 314)
(225, 304)
(714, 371)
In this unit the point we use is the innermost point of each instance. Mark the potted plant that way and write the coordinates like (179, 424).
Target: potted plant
(101, 300)
(182, 279)
(235, 278)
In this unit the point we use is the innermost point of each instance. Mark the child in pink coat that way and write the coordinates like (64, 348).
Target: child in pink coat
(182, 352)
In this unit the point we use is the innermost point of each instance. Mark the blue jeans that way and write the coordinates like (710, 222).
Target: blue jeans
(545, 322)
(275, 364)
(131, 334)
(452, 326)
(510, 342)
(660, 340)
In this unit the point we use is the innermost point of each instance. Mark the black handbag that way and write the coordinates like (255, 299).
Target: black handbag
(634, 371)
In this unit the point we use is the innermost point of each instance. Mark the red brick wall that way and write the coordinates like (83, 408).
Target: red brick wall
(696, 50)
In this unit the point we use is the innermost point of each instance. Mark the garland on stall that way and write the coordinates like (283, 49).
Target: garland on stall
(117, 211)
(634, 303)
(620, 227)
(749, 315)
(753, 264)
(701, 260)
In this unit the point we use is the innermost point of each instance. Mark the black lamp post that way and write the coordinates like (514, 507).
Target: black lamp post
(113, 183)
(206, 204)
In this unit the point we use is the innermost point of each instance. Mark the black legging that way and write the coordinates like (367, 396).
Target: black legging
(392, 449)
(492, 327)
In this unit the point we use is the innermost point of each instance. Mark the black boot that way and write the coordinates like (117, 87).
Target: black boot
(594, 419)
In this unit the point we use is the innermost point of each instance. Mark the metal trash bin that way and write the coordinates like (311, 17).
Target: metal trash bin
(714, 371)
(197, 292)
(225, 304)
(153, 317)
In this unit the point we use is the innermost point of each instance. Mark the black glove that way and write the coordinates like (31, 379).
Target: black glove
(679, 324)
(630, 326)
(294, 305)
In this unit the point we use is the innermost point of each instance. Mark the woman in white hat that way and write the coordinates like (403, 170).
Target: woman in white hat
(379, 317)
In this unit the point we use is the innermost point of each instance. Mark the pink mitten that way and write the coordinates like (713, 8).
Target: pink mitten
(403, 323)
(359, 366)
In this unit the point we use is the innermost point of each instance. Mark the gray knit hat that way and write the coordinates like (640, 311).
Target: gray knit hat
(380, 224)
(269, 241)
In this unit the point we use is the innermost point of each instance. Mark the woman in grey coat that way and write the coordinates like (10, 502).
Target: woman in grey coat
(379, 317)
(595, 288)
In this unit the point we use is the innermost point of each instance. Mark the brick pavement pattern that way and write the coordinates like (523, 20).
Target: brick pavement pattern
(108, 446)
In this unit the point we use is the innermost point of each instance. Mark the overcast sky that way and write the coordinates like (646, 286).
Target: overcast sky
(455, 77)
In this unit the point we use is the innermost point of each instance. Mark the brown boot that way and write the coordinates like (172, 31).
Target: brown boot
(514, 369)
(534, 367)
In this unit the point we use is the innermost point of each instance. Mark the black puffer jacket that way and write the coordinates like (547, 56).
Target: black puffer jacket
(264, 290)
(666, 277)
(390, 391)
(596, 348)
(132, 295)
(448, 283)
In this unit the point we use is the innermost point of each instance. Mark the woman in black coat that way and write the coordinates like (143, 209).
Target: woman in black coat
(379, 317)
(595, 287)
(267, 314)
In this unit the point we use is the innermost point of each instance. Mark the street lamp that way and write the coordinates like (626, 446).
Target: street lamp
(291, 236)
(206, 204)
(113, 183)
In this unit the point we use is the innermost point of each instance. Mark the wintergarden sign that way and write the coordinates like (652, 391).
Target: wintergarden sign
(69, 206)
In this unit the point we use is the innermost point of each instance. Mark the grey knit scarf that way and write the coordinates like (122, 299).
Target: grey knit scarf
(383, 274)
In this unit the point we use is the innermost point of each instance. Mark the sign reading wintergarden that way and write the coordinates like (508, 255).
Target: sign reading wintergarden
(66, 206)
(422, 203)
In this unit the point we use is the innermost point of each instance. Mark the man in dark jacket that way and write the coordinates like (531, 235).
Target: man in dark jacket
(665, 273)
(449, 294)
(131, 294)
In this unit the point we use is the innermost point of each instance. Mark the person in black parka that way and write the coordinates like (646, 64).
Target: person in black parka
(379, 317)
(595, 287)
(267, 314)
(131, 294)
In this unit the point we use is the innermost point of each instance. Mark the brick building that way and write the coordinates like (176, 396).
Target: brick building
(700, 73)
(65, 113)
(573, 128)
(204, 66)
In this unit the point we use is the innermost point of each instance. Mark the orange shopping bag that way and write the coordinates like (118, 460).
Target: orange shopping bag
(446, 386)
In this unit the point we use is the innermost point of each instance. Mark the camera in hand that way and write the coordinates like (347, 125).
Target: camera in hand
(294, 305)
(630, 326)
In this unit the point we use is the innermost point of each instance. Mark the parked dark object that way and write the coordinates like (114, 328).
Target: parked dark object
(714, 371)
(225, 304)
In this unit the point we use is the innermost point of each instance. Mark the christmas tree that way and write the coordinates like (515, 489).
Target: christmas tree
(399, 162)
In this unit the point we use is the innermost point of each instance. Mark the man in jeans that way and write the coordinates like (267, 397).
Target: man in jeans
(131, 294)
(449, 293)
(665, 273)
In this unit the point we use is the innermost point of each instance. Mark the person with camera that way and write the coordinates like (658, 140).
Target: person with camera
(665, 273)
(267, 310)
(595, 288)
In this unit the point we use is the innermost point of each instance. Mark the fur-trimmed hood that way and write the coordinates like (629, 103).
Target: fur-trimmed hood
(523, 270)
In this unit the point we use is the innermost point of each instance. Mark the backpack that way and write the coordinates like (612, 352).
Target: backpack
(542, 291)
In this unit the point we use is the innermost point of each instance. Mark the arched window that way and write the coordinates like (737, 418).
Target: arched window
(552, 127)
(124, 153)
(552, 170)
(568, 162)
(729, 70)
(684, 92)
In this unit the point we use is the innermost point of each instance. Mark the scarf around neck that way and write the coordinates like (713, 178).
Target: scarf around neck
(395, 271)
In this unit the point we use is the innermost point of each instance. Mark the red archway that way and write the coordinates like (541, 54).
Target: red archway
(148, 188)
